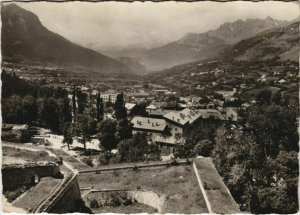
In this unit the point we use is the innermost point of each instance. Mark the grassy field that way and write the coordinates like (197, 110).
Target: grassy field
(178, 183)
(69, 159)
(26, 155)
(36, 194)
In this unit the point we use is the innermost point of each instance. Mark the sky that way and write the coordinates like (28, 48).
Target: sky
(148, 23)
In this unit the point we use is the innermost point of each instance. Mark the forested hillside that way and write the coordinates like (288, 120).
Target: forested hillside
(33, 104)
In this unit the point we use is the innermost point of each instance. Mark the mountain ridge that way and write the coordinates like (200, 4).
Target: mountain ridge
(25, 39)
(194, 46)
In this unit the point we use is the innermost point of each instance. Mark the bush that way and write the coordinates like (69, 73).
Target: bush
(104, 158)
(13, 194)
(94, 203)
(204, 148)
(88, 161)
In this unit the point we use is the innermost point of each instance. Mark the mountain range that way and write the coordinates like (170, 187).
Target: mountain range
(193, 47)
(24, 39)
(274, 46)
(281, 43)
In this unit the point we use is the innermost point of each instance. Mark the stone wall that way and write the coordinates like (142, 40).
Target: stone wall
(67, 200)
(149, 198)
(18, 175)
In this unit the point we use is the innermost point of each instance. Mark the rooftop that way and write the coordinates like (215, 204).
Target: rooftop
(129, 106)
(183, 117)
(191, 115)
(148, 123)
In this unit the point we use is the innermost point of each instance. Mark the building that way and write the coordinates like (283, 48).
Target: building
(156, 112)
(109, 97)
(151, 126)
(168, 144)
(178, 122)
(130, 108)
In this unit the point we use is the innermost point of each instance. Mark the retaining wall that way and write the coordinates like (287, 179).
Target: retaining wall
(149, 198)
(18, 175)
(66, 201)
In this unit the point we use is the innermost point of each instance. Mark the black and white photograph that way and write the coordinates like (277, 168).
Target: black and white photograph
(150, 107)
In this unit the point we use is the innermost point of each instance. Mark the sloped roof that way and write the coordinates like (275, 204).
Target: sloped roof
(152, 107)
(189, 115)
(129, 106)
(183, 117)
(160, 112)
(148, 123)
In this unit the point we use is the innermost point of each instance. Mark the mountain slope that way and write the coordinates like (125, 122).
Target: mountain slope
(267, 49)
(25, 39)
(133, 64)
(280, 43)
(206, 45)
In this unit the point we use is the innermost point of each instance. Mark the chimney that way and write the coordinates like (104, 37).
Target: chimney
(178, 120)
(148, 120)
(152, 124)
(157, 124)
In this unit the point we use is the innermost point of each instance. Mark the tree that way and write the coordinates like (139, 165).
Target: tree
(120, 109)
(68, 134)
(64, 112)
(74, 106)
(48, 113)
(274, 127)
(106, 135)
(204, 148)
(264, 97)
(81, 101)
(107, 126)
(29, 109)
(259, 164)
(136, 149)
(108, 141)
(85, 128)
(140, 110)
(124, 129)
(172, 98)
(99, 108)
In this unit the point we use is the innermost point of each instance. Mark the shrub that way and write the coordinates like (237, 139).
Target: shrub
(204, 148)
(135, 168)
(87, 161)
(94, 203)
(104, 158)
